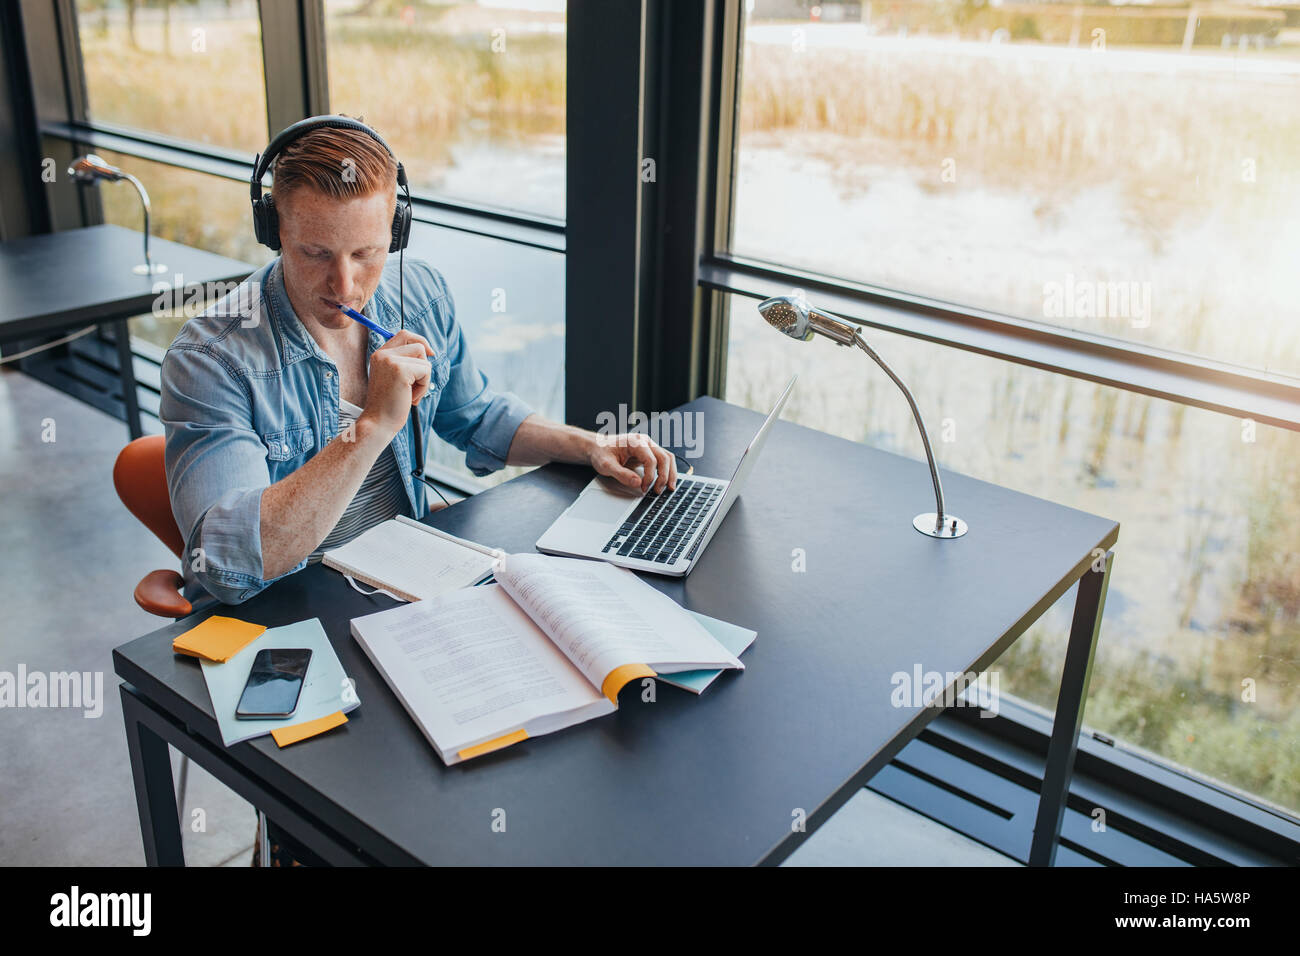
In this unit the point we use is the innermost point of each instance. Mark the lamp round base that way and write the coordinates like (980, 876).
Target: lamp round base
(145, 269)
(928, 523)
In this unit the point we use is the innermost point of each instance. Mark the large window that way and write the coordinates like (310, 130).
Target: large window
(469, 95)
(189, 70)
(1202, 621)
(1118, 169)
(1095, 167)
(510, 302)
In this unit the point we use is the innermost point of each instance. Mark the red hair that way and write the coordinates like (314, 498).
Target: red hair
(343, 163)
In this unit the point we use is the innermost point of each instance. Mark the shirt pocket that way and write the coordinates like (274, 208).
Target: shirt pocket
(437, 383)
(291, 442)
(441, 373)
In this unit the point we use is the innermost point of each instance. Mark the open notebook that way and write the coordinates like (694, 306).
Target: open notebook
(412, 561)
(548, 646)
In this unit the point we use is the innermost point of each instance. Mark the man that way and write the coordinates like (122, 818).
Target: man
(287, 422)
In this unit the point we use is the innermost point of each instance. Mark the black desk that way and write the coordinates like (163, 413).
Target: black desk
(79, 277)
(715, 779)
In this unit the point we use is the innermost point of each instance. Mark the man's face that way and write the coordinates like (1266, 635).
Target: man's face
(333, 250)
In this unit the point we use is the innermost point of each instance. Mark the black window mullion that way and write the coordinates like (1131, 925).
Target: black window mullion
(58, 90)
(724, 70)
(604, 286)
(293, 60)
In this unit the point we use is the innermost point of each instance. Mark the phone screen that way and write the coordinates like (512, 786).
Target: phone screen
(274, 683)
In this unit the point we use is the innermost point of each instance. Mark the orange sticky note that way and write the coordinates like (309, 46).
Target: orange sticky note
(496, 743)
(217, 639)
(620, 676)
(284, 736)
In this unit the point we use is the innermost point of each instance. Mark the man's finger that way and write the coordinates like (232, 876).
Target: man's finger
(411, 349)
(661, 468)
(625, 476)
(407, 337)
(646, 457)
(415, 372)
(667, 466)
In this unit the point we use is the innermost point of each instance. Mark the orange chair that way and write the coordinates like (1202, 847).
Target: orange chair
(141, 482)
(140, 478)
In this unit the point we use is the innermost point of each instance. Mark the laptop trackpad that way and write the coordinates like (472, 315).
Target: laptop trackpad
(596, 504)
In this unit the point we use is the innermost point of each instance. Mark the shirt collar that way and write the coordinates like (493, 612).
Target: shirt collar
(296, 342)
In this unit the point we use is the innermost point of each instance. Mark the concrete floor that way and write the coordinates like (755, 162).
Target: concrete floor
(72, 557)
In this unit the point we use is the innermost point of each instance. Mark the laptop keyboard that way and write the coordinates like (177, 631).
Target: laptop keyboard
(661, 525)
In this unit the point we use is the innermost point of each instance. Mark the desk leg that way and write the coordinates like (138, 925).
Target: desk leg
(151, 766)
(1075, 678)
(126, 372)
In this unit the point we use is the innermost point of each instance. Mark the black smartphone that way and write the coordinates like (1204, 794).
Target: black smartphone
(274, 683)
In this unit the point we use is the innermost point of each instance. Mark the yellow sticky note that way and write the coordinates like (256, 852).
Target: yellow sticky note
(620, 676)
(217, 639)
(496, 743)
(284, 736)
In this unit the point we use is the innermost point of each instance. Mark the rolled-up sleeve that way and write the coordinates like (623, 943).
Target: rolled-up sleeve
(470, 415)
(216, 473)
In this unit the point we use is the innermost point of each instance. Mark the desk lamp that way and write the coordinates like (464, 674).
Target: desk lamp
(88, 170)
(796, 319)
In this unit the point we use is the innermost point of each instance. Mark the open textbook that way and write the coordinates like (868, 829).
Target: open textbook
(547, 646)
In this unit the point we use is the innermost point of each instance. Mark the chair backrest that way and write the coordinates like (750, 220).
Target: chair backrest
(141, 482)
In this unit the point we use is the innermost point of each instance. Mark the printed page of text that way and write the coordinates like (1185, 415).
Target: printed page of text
(603, 617)
(470, 665)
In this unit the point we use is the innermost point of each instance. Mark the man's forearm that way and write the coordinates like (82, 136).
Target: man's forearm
(538, 441)
(301, 509)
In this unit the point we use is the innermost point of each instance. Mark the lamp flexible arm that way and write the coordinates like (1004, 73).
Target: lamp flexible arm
(144, 200)
(916, 413)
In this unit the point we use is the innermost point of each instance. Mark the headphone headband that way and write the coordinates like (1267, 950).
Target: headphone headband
(266, 224)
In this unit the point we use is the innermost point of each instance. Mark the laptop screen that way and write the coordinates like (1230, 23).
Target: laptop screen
(746, 465)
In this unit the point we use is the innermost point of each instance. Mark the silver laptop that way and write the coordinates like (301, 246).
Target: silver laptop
(664, 533)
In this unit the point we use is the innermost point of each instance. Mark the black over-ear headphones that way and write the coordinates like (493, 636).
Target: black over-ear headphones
(266, 221)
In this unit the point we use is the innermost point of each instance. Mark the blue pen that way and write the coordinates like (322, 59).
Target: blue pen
(372, 326)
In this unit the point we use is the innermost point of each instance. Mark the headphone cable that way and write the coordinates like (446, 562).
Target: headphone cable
(417, 432)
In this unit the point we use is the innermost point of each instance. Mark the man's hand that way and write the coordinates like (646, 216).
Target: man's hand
(538, 441)
(399, 377)
(617, 455)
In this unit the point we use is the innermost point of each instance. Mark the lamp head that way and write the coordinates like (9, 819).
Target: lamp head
(787, 314)
(90, 168)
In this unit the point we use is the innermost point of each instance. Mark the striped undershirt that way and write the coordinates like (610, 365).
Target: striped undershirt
(380, 497)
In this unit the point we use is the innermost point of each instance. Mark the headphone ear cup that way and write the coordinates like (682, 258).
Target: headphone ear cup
(401, 226)
(272, 223)
(266, 222)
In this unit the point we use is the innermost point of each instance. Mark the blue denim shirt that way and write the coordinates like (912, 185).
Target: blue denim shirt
(249, 397)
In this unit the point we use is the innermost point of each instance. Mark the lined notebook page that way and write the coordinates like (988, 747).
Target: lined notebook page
(409, 561)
